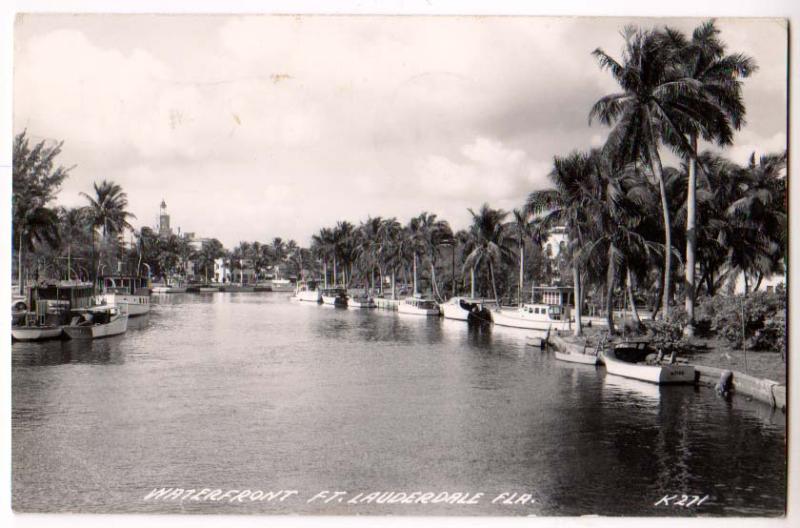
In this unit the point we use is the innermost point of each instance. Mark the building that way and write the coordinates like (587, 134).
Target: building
(556, 242)
(164, 229)
(222, 272)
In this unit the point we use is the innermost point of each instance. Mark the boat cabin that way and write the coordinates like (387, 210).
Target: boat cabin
(51, 303)
(125, 285)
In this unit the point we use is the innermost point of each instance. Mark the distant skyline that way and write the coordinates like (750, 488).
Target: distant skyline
(252, 127)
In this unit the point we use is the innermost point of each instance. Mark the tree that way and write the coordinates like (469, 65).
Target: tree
(522, 228)
(657, 104)
(35, 183)
(433, 233)
(107, 211)
(489, 242)
(717, 75)
(564, 206)
(209, 252)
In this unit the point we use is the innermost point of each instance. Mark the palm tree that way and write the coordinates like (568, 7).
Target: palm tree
(490, 240)
(657, 104)
(391, 250)
(107, 211)
(322, 247)
(279, 252)
(564, 206)
(416, 245)
(34, 226)
(369, 242)
(522, 227)
(717, 76)
(433, 233)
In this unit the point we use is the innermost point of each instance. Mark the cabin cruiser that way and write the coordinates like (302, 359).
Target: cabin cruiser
(96, 322)
(308, 292)
(281, 285)
(417, 306)
(533, 317)
(362, 300)
(635, 360)
(129, 291)
(465, 309)
(50, 304)
(334, 296)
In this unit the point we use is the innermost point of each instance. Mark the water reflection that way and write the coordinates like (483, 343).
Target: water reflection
(242, 389)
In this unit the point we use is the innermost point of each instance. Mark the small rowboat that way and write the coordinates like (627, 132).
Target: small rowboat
(624, 359)
(100, 321)
(35, 332)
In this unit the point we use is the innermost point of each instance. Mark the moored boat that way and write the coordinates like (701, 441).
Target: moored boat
(281, 285)
(466, 309)
(132, 292)
(35, 332)
(586, 358)
(97, 322)
(334, 296)
(533, 317)
(307, 292)
(361, 301)
(417, 306)
(629, 359)
(538, 338)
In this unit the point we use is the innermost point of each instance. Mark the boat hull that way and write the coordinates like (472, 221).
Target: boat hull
(334, 300)
(309, 296)
(360, 304)
(112, 328)
(454, 312)
(135, 304)
(659, 374)
(411, 310)
(512, 320)
(585, 359)
(35, 333)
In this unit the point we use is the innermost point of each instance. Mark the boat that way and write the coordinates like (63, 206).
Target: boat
(129, 291)
(281, 285)
(586, 358)
(417, 306)
(168, 289)
(466, 309)
(97, 322)
(50, 304)
(334, 296)
(533, 317)
(361, 301)
(307, 292)
(538, 339)
(632, 359)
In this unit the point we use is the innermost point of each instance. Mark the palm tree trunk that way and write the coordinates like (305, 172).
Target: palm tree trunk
(521, 271)
(19, 265)
(472, 282)
(415, 275)
(576, 279)
(610, 279)
(433, 281)
(334, 271)
(494, 287)
(325, 273)
(691, 238)
(394, 290)
(655, 165)
(629, 287)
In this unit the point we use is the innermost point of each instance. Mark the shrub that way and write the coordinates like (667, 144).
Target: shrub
(764, 319)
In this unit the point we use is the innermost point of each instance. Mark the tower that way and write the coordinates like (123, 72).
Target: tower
(163, 221)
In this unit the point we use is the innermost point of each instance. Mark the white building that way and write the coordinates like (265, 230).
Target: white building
(222, 272)
(556, 242)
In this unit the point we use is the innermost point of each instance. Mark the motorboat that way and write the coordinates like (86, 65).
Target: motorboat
(466, 309)
(281, 285)
(587, 357)
(307, 292)
(635, 360)
(97, 322)
(361, 301)
(533, 317)
(50, 304)
(129, 291)
(334, 296)
(418, 306)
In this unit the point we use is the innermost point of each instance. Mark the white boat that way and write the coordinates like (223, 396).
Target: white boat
(96, 322)
(361, 301)
(533, 317)
(35, 332)
(307, 292)
(132, 292)
(281, 285)
(334, 296)
(538, 338)
(588, 358)
(416, 306)
(627, 360)
(464, 308)
(162, 288)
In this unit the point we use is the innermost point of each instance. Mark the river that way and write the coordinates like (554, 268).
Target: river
(250, 391)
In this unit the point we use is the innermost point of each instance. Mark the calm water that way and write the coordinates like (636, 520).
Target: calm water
(254, 392)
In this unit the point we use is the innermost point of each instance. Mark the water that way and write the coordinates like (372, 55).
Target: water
(254, 392)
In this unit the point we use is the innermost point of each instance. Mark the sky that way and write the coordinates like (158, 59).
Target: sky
(252, 127)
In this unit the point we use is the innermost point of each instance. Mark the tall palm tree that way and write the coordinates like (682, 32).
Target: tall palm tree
(107, 211)
(416, 245)
(564, 206)
(522, 227)
(33, 226)
(433, 233)
(490, 242)
(322, 246)
(717, 76)
(657, 104)
(391, 250)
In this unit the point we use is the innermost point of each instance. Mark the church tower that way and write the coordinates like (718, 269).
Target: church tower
(163, 221)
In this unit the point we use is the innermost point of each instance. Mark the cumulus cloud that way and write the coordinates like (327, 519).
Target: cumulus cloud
(258, 126)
